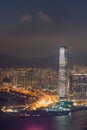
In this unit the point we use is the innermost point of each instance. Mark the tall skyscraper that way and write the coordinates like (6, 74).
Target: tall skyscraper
(62, 71)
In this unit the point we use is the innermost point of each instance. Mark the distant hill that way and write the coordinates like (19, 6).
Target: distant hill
(46, 62)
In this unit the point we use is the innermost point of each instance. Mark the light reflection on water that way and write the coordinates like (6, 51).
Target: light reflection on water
(76, 121)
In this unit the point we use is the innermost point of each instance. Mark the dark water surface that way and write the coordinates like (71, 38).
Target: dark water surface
(76, 121)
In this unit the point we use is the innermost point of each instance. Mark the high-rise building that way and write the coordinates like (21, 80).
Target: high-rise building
(78, 86)
(62, 72)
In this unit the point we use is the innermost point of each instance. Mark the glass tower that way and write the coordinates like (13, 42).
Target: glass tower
(62, 72)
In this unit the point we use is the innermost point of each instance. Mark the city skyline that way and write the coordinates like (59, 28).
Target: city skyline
(35, 29)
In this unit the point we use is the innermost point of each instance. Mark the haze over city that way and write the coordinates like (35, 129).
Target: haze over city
(43, 66)
(36, 28)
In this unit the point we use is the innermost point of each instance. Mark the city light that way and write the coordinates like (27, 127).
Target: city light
(44, 89)
(44, 101)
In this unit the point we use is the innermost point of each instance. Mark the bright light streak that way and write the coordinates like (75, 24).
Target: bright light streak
(44, 101)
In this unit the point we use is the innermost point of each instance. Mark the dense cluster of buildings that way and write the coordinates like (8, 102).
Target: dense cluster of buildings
(29, 78)
(47, 79)
(77, 78)
(67, 83)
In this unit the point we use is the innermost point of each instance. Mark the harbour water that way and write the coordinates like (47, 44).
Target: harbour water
(75, 121)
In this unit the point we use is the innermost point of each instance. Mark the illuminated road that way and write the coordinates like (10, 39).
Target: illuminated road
(44, 99)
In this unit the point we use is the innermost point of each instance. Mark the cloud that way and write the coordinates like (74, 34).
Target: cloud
(44, 17)
(41, 16)
(26, 18)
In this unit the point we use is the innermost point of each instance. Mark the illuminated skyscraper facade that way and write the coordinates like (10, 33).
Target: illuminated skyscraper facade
(62, 71)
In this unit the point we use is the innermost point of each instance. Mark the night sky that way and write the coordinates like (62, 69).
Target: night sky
(35, 28)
